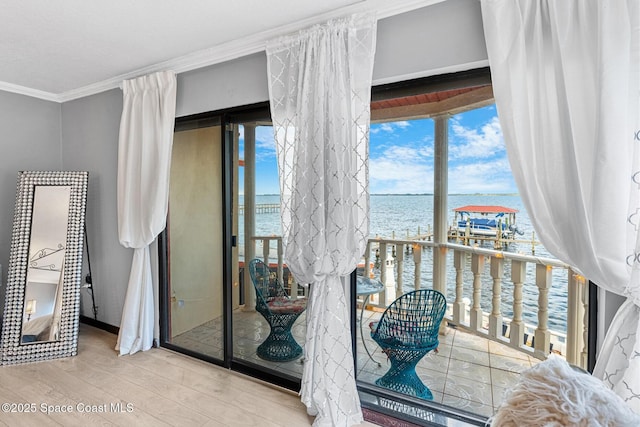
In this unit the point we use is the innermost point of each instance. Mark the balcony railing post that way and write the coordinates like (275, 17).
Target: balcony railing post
(477, 265)
(366, 272)
(265, 251)
(399, 268)
(459, 312)
(388, 295)
(382, 252)
(367, 260)
(574, 318)
(280, 270)
(417, 261)
(518, 274)
(542, 335)
(584, 294)
(495, 319)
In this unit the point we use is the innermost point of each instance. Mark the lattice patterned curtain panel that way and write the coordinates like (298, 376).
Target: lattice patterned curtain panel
(566, 79)
(319, 86)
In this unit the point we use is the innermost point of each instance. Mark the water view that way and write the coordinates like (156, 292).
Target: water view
(400, 216)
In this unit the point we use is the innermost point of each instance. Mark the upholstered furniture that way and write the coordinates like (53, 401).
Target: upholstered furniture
(554, 394)
(279, 310)
(406, 332)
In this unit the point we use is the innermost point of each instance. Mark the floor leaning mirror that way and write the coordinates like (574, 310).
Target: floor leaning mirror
(42, 305)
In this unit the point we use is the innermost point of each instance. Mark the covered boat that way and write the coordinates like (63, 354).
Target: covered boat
(488, 221)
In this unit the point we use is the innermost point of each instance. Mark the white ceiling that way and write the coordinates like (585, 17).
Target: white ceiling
(65, 49)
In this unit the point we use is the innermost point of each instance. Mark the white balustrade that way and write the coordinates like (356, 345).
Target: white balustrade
(542, 335)
(517, 329)
(400, 268)
(386, 297)
(417, 260)
(474, 319)
(267, 249)
(477, 265)
(495, 320)
(459, 307)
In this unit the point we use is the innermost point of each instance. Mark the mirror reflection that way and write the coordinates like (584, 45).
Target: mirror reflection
(43, 292)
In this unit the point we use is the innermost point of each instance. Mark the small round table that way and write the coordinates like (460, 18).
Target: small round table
(367, 287)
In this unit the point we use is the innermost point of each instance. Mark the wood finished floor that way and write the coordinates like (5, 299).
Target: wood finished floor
(152, 388)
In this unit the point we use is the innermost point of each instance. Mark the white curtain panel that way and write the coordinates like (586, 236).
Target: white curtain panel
(320, 91)
(566, 78)
(144, 158)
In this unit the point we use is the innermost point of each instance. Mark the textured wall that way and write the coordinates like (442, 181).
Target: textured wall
(30, 141)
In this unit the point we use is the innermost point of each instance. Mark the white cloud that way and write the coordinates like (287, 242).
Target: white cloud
(401, 169)
(482, 177)
(487, 141)
(389, 127)
(402, 154)
(477, 164)
(265, 143)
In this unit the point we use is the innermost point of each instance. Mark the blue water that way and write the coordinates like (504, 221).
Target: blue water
(400, 216)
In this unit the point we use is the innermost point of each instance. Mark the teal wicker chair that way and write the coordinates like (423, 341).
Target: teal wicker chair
(280, 312)
(406, 332)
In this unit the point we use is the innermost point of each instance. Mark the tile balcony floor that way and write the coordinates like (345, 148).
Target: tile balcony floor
(468, 372)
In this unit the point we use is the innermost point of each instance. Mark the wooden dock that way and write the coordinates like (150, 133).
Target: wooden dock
(262, 208)
(469, 240)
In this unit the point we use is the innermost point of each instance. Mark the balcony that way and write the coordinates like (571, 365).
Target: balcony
(497, 323)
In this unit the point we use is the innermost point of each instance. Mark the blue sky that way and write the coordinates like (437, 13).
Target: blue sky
(401, 156)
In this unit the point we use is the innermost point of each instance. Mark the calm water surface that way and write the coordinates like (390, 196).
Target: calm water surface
(400, 216)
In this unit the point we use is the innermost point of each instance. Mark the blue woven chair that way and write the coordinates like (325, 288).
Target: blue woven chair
(406, 332)
(280, 312)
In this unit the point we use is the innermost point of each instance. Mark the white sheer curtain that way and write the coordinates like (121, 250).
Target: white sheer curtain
(320, 85)
(144, 158)
(566, 78)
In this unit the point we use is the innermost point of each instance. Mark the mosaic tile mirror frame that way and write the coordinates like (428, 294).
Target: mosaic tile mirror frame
(42, 303)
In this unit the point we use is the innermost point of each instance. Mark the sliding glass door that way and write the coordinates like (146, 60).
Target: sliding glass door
(224, 212)
(195, 243)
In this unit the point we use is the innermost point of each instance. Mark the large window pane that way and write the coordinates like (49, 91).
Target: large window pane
(195, 242)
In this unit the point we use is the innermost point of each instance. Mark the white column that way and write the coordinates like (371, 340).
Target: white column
(441, 171)
(249, 212)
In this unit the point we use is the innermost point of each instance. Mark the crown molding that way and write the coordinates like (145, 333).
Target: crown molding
(226, 51)
(27, 91)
